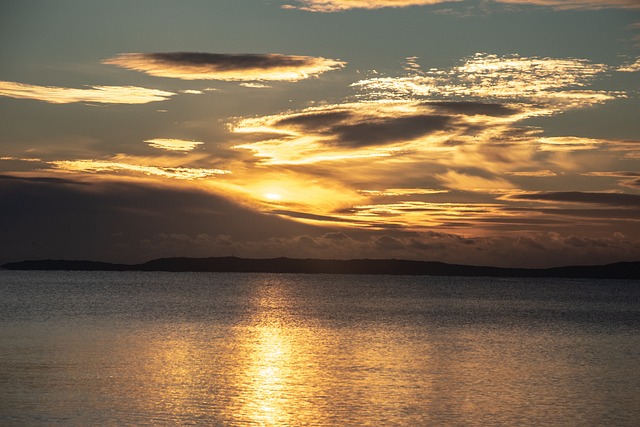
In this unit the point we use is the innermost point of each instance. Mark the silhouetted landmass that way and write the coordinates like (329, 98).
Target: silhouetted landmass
(621, 270)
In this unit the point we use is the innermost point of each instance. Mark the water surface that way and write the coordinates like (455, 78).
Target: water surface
(127, 348)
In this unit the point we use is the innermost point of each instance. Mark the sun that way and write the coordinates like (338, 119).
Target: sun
(272, 196)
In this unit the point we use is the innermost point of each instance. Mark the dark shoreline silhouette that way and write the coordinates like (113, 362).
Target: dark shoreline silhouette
(621, 270)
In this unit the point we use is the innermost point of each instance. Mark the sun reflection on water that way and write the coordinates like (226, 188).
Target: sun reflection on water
(275, 353)
(270, 365)
(298, 371)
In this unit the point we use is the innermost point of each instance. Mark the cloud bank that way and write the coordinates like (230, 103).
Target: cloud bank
(226, 67)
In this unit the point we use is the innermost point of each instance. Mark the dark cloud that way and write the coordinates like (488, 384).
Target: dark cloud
(60, 218)
(348, 130)
(225, 66)
(584, 242)
(336, 236)
(530, 242)
(314, 121)
(304, 215)
(389, 130)
(388, 243)
(524, 250)
(226, 62)
(6, 180)
(381, 129)
(475, 108)
(604, 214)
(610, 199)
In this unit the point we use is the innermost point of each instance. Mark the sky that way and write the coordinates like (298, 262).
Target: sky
(485, 132)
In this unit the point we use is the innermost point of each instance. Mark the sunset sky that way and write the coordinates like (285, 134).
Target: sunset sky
(492, 132)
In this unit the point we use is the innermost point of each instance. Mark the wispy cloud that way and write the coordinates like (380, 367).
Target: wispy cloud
(598, 198)
(170, 144)
(342, 5)
(568, 143)
(401, 192)
(226, 67)
(578, 4)
(538, 173)
(551, 84)
(417, 214)
(630, 179)
(19, 159)
(93, 94)
(251, 85)
(106, 166)
(629, 148)
(633, 67)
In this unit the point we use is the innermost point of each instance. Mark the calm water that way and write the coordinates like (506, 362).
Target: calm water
(316, 350)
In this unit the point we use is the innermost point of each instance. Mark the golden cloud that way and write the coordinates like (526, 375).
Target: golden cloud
(568, 143)
(419, 215)
(367, 130)
(401, 192)
(226, 67)
(313, 135)
(251, 85)
(19, 159)
(451, 132)
(95, 166)
(169, 144)
(549, 83)
(340, 146)
(538, 174)
(633, 67)
(98, 94)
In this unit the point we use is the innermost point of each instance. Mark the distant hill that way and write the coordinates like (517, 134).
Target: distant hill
(621, 270)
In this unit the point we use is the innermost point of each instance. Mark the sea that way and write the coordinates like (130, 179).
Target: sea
(235, 349)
